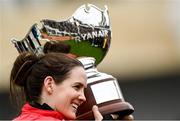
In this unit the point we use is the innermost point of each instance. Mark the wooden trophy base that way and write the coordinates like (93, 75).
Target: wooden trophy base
(113, 107)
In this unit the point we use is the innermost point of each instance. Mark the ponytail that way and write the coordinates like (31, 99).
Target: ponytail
(19, 74)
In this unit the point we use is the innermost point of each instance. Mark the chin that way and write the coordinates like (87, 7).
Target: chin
(71, 116)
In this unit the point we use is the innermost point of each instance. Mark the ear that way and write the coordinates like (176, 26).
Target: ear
(48, 84)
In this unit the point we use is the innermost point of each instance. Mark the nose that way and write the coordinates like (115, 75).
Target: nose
(82, 97)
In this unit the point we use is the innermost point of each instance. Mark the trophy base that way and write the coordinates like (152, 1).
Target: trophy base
(120, 108)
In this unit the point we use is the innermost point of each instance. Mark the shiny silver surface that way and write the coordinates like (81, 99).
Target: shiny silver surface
(87, 32)
(104, 86)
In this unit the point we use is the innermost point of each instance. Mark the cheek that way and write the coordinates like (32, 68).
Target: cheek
(64, 105)
(69, 97)
(64, 100)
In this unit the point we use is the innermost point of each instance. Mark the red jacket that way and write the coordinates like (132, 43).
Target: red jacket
(31, 113)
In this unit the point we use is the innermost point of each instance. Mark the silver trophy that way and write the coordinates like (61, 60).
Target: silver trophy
(86, 35)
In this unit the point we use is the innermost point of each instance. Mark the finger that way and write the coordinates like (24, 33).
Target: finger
(129, 117)
(97, 114)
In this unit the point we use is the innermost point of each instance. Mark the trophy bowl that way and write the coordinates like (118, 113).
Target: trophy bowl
(87, 32)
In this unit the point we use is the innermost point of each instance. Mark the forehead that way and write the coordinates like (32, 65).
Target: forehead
(77, 75)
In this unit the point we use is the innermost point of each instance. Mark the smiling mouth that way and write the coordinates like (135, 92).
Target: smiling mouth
(75, 107)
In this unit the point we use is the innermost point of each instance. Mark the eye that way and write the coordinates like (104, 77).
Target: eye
(77, 87)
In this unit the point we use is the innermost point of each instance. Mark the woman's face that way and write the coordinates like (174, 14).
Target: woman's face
(69, 94)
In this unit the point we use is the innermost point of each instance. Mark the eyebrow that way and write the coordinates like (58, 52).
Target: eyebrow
(81, 84)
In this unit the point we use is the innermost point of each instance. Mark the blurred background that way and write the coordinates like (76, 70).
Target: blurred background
(144, 55)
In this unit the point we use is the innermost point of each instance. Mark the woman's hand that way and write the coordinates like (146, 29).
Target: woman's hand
(129, 118)
(99, 117)
(97, 114)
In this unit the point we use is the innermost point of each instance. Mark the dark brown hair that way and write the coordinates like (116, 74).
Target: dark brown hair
(29, 71)
(56, 46)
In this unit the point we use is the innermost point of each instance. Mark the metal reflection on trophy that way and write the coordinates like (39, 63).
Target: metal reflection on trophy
(31, 42)
(86, 35)
(87, 31)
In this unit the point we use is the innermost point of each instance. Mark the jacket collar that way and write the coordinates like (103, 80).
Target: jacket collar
(27, 108)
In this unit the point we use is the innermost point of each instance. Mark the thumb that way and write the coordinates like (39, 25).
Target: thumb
(129, 118)
(97, 114)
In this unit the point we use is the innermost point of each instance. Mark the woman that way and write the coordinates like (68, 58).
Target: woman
(62, 47)
(52, 86)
